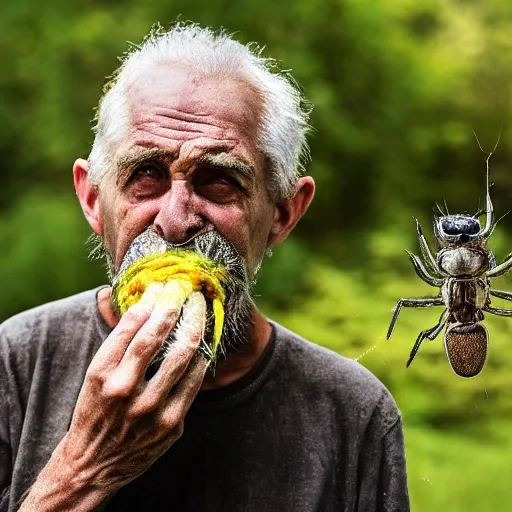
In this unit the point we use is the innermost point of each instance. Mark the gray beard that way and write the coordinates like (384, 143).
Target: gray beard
(238, 305)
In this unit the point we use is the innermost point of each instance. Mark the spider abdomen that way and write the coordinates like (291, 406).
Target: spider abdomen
(466, 348)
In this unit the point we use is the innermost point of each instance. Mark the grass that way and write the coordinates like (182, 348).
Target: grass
(453, 471)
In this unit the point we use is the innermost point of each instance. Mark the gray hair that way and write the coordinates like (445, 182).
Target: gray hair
(284, 120)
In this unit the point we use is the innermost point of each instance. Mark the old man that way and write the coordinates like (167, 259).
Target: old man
(199, 143)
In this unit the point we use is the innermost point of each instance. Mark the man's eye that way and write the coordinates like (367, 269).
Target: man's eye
(148, 171)
(219, 188)
(147, 181)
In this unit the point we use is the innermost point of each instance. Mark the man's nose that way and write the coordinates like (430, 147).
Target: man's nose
(178, 220)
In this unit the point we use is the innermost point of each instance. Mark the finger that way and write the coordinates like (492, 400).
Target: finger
(186, 339)
(113, 348)
(184, 393)
(147, 342)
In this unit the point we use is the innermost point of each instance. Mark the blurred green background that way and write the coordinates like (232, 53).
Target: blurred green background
(396, 85)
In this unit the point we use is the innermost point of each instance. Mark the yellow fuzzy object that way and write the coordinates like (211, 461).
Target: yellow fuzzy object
(190, 269)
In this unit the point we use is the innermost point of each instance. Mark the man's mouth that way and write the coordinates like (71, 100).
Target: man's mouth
(207, 263)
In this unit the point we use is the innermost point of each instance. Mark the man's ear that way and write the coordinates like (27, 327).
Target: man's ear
(289, 211)
(88, 195)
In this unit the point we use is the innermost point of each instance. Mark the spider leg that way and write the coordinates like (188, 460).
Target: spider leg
(440, 211)
(492, 260)
(501, 294)
(498, 311)
(430, 261)
(479, 213)
(422, 272)
(489, 210)
(431, 334)
(502, 268)
(412, 303)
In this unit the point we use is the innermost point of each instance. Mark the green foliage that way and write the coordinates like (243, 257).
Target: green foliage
(42, 252)
(449, 470)
(395, 85)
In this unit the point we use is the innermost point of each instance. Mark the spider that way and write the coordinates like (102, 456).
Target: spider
(462, 269)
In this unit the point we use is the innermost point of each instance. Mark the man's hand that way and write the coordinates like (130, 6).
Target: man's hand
(123, 423)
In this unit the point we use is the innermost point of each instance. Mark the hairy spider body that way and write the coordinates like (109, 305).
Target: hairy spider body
(462, 270)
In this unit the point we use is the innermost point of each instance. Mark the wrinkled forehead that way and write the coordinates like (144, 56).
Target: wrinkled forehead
(194, 99)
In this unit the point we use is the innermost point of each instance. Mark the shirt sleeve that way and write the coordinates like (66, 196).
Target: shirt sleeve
(382, 474)
(393, 494)
(5, 449)
(5, 473)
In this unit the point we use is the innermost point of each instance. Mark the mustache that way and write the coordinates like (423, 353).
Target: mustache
(211, 245)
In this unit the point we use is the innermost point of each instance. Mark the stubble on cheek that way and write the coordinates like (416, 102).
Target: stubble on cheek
(259, 224)
(110, 233)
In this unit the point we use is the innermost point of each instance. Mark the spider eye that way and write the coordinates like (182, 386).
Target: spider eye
(460, 226)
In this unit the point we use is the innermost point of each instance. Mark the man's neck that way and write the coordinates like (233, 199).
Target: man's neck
(228, 370)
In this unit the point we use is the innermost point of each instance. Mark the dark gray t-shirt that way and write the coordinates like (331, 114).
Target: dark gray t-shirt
(306, 430)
